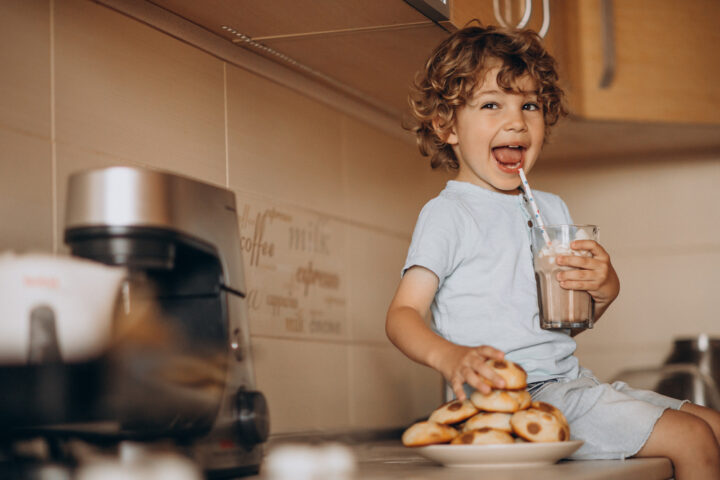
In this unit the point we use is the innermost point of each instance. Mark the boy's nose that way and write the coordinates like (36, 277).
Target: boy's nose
(515, 121)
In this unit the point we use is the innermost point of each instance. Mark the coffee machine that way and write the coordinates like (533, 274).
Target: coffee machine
(181, 366)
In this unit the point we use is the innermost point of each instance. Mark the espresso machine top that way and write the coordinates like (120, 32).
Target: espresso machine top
(121, 198)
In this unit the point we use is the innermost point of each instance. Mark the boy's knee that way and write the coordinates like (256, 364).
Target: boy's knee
(699, 427)
(714, 424)
(699, 436)
(681, 434)
(711, 416)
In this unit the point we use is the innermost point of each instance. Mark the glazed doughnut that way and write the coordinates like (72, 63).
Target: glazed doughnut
(428, 433)
(453, 412)
(508, 401)
(483, 436)
(496, 420)
(539, 426)
(513, 374)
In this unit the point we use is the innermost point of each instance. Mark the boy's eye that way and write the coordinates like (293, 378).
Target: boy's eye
(532, 106)
(489, 105)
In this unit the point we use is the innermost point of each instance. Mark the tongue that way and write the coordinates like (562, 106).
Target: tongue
(508, 155)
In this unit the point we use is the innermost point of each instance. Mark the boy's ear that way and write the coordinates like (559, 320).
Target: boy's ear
(452, 138)
(447, 136)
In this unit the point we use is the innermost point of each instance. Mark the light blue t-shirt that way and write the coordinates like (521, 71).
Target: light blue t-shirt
(477, 242)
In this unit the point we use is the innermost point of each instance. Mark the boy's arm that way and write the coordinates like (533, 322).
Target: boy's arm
(406, 329)
(594, 274)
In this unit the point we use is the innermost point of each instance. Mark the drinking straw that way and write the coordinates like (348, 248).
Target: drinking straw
(538, 218)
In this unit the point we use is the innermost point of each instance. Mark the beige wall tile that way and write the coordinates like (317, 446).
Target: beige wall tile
(26, 208)
(127, 90)
(386, 180)
(375, 259)
(642, 206)
(26, 192)
(25, 64)
(306, 383)
(283, 144)
(661, 297)
(388, 390)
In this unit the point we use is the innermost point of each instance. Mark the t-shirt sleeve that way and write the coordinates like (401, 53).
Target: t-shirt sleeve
(438, 238)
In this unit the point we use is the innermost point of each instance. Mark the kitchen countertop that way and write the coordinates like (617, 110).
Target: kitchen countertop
(388, 459)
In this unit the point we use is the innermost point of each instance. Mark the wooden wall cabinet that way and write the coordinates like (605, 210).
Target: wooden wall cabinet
(666, 60)
(666, 55)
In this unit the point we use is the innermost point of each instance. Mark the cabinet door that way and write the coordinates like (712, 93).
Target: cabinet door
(667, 60)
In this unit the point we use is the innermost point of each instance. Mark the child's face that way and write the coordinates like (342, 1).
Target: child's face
(496, 133)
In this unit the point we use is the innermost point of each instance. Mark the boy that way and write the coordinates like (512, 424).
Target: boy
(482, 107)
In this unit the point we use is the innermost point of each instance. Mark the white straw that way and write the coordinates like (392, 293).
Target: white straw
(538, 218)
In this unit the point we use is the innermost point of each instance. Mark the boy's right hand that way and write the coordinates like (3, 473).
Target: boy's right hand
(468, 365)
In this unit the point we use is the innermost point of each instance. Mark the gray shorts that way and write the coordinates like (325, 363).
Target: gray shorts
(614, 420)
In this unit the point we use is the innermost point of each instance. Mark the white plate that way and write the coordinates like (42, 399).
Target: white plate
(509, 455)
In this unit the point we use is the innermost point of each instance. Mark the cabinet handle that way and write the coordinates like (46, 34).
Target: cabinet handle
(608, 34)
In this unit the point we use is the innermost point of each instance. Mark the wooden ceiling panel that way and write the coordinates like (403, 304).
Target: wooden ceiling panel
(381, 64)
(263, 18)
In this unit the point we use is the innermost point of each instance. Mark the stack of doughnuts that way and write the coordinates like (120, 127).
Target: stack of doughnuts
(499, 417)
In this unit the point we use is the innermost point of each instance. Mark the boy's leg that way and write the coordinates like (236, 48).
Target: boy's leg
(688, 441)
(712, 417)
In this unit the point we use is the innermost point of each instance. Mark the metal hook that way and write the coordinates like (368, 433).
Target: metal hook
(546, 19)
(498, 17)
(526, 16)
(523, 21)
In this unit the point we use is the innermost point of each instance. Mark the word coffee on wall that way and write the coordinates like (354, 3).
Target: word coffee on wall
(294, 270)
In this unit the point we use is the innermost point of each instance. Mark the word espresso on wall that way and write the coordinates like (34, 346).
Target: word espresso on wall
(294, 270)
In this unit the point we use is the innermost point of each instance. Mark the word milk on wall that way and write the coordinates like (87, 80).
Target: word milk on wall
(294, 268)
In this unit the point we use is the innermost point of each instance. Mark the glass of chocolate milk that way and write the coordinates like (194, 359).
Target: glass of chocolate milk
(559, 307)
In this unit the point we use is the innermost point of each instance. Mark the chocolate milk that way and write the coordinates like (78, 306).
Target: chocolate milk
(559, 307)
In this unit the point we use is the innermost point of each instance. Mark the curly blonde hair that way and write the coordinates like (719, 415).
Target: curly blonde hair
(453, 71)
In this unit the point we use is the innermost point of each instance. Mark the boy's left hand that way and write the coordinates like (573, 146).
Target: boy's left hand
(594, 274)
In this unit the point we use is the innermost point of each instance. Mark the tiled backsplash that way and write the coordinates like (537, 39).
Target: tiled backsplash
(326, 202)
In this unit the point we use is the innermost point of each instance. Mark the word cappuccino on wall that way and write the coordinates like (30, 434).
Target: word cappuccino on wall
(294, 269)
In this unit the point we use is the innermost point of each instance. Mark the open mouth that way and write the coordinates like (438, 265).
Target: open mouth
(509, 157)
